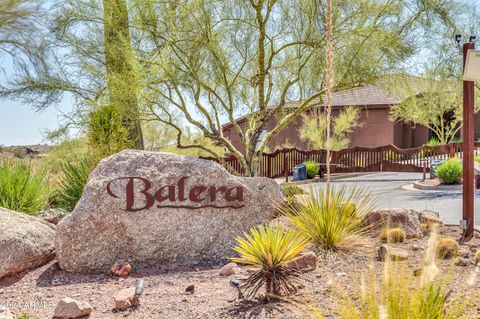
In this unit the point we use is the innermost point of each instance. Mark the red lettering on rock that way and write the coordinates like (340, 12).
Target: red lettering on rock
(195, 193)
(130, 195)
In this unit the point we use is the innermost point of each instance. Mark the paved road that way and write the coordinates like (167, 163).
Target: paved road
(387, 188)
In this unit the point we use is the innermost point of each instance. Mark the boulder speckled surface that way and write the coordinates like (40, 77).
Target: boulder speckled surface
(149, 208)
(25, 242)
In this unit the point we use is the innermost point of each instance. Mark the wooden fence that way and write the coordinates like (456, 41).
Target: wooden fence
(387, 158)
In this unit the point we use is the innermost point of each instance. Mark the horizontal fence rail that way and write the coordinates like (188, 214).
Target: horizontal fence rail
(386, 158)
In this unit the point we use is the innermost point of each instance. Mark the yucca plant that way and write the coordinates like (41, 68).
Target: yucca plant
(22, 188)
(72, 182)
(332, 219)
(271, 249)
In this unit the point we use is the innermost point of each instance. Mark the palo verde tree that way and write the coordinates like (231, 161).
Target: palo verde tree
(87, 56)
(435, 103)
(214, 61)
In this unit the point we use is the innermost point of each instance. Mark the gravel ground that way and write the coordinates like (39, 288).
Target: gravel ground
(37, 292)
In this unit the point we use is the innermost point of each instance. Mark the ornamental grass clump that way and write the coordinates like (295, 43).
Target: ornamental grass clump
(271, 249)
(447, 248)
(22, 188)
(401, 295)
(393, 235)
(332, 219)
(450, 171)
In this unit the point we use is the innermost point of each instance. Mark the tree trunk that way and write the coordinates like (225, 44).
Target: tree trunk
(329, 87)
(122, 81)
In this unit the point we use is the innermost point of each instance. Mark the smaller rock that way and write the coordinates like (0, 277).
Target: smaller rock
(125, 299)
(5, 313)
(430, 217)
(235, 282)
(341, 274)
(121, 269)
(417, 272)
(416, 247)
(307, 262)
(228, 269)
(190, 289)
(396, 254)
(71, 308)
(463, 262)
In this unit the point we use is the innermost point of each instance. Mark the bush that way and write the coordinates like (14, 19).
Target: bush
(72, 182)
(271, 249)
(312, 169)
(433, 142)
(333, 220)
(106, 133)
(477, 257)
(450, 171)
(21, 188)
(447, 248)
(289, 190)
(393, 235)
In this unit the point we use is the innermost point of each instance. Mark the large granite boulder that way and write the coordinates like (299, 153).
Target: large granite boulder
(25, 242)
(148, 208)
(405, 218)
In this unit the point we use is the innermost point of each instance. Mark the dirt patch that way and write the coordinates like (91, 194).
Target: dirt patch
(214, 297)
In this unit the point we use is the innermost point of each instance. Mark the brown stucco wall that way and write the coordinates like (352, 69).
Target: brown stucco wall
(375, 130)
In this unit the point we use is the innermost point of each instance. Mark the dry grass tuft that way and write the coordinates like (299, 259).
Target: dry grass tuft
(447, 248)
(393, 235)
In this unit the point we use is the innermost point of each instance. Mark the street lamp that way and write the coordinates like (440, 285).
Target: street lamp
(471, 68)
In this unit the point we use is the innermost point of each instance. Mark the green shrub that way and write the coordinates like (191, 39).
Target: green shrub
(450, 171)
(433, 142)
(334, 220)
(106, 134)
(312, 169)
(22, 188)
(289, 190)
(477, 159)
(19, 153)
(72, 182)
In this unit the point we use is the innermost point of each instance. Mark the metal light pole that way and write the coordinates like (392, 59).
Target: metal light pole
(468, 150)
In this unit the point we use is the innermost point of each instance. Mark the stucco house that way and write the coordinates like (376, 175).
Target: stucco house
(376, 128)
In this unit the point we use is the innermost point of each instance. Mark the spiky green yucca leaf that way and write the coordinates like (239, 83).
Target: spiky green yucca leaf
(332, 220)
(271, 249)
(72, 182)
(268, 247)
(22, 188)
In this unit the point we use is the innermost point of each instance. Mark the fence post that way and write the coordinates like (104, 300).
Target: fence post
(285, 166)
(269, 166)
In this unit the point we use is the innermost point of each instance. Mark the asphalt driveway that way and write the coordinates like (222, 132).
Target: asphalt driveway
(389, 193)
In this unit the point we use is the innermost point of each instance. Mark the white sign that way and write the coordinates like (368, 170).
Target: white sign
(472, 66)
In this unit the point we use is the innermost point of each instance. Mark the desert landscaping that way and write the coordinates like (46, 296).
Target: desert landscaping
(225, 159)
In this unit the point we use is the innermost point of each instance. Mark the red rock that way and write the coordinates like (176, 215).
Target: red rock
(125, 299)
(121, 270)
(307, 261)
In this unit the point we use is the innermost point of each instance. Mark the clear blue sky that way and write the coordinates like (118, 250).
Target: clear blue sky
(20, 124)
